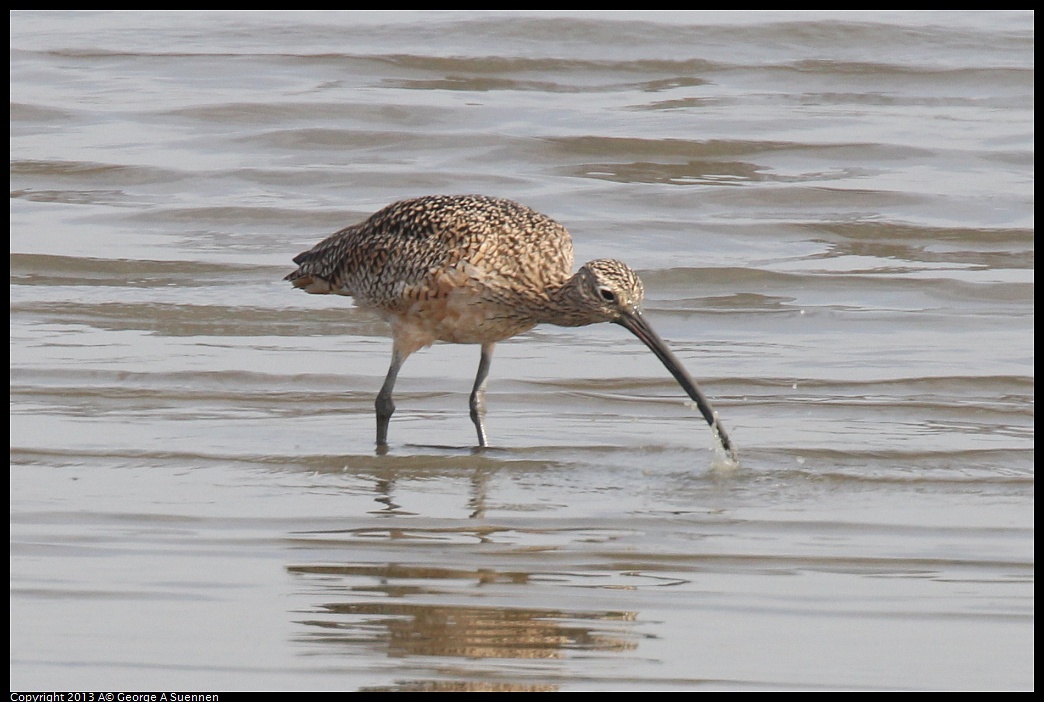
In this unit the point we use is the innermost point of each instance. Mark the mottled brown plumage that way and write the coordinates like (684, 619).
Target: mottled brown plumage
(476, 270)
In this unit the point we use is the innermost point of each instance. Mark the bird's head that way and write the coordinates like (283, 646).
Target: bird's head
(609, 290)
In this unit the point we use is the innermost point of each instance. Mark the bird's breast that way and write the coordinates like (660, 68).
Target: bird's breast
(460, 304)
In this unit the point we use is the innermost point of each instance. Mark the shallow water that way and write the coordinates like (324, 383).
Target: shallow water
(832, 214)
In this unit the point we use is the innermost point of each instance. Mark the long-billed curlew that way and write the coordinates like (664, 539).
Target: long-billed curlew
(472, 269)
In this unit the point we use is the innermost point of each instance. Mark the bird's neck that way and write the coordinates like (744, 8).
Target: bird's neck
(567, 306)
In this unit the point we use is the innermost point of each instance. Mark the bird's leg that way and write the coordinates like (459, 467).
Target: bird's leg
(384, 404)
(478, 393)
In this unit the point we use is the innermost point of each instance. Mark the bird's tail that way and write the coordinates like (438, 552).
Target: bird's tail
(317, 268)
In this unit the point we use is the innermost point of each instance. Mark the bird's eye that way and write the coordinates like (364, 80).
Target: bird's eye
(607, 294)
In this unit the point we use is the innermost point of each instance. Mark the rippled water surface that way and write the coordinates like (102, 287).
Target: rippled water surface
(832, 214)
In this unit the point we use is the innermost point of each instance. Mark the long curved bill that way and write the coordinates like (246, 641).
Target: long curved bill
(635, 323)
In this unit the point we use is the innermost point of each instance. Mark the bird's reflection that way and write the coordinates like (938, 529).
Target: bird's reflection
(384, 607)
(385, 483)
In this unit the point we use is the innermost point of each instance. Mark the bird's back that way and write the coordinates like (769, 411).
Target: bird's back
(408, 259)
(400, 250)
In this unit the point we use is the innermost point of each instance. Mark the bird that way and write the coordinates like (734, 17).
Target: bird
(476, 269)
